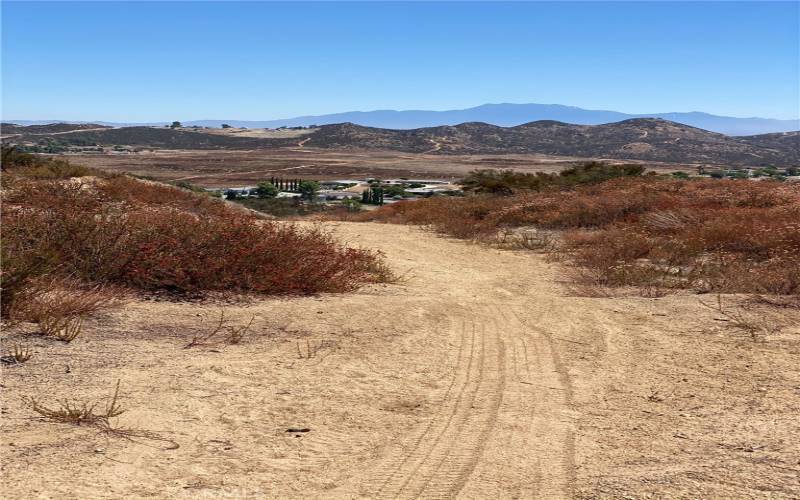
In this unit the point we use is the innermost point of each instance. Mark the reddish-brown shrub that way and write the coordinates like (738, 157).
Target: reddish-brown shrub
(154, 237)
(725, 235)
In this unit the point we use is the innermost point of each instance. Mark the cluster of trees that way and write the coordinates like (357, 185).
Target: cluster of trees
(270, 189)
(373, 196)
(770, 171)
(287, 185)
(506, 182)
(177, 124)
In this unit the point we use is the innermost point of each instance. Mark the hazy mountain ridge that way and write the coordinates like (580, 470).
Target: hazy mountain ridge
(506, 115)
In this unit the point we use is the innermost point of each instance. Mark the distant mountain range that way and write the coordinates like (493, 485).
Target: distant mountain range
(648, 139)
(504, 115)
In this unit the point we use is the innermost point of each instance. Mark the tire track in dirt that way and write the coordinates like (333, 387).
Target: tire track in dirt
(443, 455)
(551, 435)
(530, 453)
(523, 381)
(503, 423)
(393, 471)
(469, 439)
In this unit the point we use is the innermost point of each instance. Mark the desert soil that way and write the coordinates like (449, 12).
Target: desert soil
(481, 375)
(226, 168)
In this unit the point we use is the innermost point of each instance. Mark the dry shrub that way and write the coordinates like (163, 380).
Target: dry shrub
(49, 296)
(59, 305)
(56, 169)
(711, 235)
(40, 167)
(160, 238)
(525, 239)
(143, 193)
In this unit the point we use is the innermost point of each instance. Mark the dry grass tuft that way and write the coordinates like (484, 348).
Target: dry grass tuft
(757, 325)
(64, 328)
(85, 414)
(17, 356)
(80, 413)
(234, 333)
(311, 348)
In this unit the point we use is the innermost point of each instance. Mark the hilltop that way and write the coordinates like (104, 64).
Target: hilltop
(8, 129)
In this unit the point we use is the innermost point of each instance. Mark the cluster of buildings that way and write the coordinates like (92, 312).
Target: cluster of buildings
(348, 189)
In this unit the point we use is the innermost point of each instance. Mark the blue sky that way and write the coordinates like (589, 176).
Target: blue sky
(141, 61)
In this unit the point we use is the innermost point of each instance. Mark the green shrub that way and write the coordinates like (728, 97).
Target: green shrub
(507, 182)
(352, 205)
(308, 189)
(266, 190)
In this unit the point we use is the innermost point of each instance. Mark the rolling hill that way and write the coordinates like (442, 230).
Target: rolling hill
(649, 139)
(45, 129)
(642, 138)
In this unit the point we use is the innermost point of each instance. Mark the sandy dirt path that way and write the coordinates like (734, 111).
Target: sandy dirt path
(480, 376)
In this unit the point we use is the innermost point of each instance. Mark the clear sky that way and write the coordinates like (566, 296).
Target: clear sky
(159, 61)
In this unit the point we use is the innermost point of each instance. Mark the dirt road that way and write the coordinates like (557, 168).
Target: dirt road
(480, 376)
